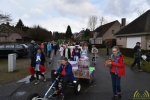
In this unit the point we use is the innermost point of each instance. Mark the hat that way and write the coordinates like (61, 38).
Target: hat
(32, 41)
(138, 43)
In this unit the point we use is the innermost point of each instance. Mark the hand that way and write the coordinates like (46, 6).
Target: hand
(55, 72)
(109, 62)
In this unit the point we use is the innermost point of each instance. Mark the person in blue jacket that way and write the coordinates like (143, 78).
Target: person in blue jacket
(49, 49)
(65, 70)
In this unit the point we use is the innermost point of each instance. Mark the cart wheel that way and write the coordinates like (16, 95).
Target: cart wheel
(33, 96)
(77, 87)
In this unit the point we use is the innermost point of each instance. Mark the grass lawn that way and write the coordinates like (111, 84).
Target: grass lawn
(129, 61)
(22, 70)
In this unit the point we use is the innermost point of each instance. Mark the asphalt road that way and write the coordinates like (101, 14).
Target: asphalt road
(99, 89)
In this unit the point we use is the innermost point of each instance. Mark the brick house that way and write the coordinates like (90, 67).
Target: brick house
(136, 31)
(11, 34)
(106, 32)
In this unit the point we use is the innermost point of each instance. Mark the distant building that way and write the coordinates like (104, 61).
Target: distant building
(106, 32)
(11, 34)
(136, 31)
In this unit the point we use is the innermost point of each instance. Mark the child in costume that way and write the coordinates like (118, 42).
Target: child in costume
(94, 52)
(76, 54)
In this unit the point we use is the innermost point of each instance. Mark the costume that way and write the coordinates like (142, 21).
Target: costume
(61, 51)
(76, 54)
(67, 53)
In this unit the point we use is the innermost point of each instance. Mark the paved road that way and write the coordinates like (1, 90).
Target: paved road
(99, 89)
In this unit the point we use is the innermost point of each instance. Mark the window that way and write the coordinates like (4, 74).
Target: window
(113, 31)
(1, 46)
(9, 46)
(18, 46)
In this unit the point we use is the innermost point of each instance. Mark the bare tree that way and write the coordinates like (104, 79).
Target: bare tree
(92, 22)
(5, 18)
(101, 21)
(141, 11)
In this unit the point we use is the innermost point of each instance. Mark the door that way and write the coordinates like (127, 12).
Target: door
(131, 41)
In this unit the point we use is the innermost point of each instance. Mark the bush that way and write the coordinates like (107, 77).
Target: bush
(128, 52)
(99, 45)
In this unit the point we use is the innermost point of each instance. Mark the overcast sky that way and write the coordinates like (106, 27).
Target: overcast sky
(55, 15)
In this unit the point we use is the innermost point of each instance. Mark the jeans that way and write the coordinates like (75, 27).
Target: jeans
(65, 81)
(136, 61)
(115, 83)
(49, 53)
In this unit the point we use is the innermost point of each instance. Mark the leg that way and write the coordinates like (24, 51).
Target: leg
(113, 77)
(48, 53)
(41, 74)
(65, 82)
(133, 63)
(37, 75)
(138, 63)
(53, 75)
(118, 79)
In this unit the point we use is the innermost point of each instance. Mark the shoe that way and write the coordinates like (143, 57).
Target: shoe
(115, 98)
(132, 68)
(44, 79)
(140, 70)
(37, 82)
(61, 96)
(119, 96)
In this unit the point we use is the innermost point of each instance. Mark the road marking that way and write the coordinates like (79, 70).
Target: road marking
(89, 88)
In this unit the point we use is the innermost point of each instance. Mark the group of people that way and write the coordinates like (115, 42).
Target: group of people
(115, 63)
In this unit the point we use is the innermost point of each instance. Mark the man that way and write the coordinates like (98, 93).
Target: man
(45, 48)
(32, 51)
(90, 47)
(67, 52)
(66, 71)
(107, 47)
(76, 53)
(94, 52)
(137, 56)
(31, 55)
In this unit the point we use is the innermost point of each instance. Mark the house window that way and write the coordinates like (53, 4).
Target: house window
(113, 31)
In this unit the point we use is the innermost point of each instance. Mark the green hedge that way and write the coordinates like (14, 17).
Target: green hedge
(99, 45)
(129, 52)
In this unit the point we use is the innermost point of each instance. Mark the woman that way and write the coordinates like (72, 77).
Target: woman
(86, 47)
(67, 52)
(84, 52)
(76, 53)
(61, 51)
(117, 70)
(39, 60)
(42, 47)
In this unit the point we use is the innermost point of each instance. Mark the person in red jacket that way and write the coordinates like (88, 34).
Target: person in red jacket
(117, 70)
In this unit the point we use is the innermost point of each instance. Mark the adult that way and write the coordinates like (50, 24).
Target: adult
(90, 47)
(137, 56)
(61, 50)
(55, 48)
(49, 49)
(66, 71)
(86, 47)
(31, 51)
(39, 60)
(117, 70)
(76, 53)
(42, 47)
(84, 52)
(107, 47)
(67, 52)
(94, 53)
(45, 48)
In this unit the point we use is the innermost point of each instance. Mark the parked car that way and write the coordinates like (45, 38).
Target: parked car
(11, 48)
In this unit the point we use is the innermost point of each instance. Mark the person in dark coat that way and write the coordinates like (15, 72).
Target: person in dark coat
(55, 48)
(45, 48)
(137, 56)
(90, 47)
(39, 60)
(65, 70)
(67, 52)
(32, 51)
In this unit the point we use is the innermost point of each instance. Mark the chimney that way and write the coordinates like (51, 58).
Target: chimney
(123, 22)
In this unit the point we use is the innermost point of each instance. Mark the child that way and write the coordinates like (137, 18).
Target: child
(94, 52)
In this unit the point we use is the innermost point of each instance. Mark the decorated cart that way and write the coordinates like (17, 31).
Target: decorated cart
(81, 70)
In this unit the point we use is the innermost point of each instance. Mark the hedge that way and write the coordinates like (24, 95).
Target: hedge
(129, 52)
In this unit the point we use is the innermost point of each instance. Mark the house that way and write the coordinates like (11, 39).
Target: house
(11, 34)
(79, 36)
(106, 32)
(136, 31)
(75, 35)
